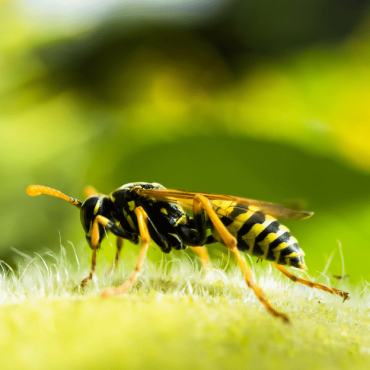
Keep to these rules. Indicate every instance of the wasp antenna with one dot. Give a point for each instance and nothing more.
(35, 190)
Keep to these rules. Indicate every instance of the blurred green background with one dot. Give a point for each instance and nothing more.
(262, 99)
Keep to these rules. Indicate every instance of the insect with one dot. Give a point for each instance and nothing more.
(153, 212)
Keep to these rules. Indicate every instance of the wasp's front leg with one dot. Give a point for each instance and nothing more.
(94, 247)
(142, 219)
(95, 238)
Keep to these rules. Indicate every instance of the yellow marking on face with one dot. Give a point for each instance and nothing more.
(131, 205)
(164, 210)
(97, 205)
(124, 212)
(181, 221)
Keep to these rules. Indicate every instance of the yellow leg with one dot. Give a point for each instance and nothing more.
(90, 191)
(145, 241)
(203, 255)
(94, 246)
(200, 202)
(93, 264)
(119, 244)
(311, 284)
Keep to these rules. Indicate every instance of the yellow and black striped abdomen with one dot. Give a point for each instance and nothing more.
(260, 234)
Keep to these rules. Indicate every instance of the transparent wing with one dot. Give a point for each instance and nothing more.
(185, 200)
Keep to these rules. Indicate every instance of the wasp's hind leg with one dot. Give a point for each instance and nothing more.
(201, 205)
(311, 284)
(142, 219)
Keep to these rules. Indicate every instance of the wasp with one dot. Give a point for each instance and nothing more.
(177, 219)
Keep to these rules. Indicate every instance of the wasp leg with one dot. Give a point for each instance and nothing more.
(90, 191)
(311, 284)
(201, 204)
(163, 242)
(93, 264)
(95, 240)
(119, 244)
(142, 219)
(94, 247)
(203, 255)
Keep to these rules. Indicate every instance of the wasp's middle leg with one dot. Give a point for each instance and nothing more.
(142, 219)
(201, 205)
(203, 255)
(119, 244)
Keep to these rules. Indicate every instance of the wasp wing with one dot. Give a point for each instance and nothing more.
(185, 200)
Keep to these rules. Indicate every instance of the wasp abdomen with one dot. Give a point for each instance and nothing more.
(261, 235)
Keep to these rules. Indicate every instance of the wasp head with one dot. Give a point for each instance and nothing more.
(98, 205)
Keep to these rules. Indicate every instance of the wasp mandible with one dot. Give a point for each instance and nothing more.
(151, 211)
